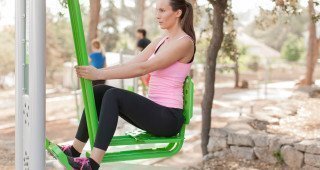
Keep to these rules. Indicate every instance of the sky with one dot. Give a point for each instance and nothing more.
(7, 11)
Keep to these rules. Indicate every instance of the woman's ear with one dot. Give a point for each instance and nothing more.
(179, 13)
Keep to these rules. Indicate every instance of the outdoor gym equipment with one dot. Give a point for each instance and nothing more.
(36, 89)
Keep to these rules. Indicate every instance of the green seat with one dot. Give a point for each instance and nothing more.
(140, 137)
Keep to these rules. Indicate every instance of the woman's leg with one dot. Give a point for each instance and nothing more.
(82, 132)
(138, 110)
(98, 82)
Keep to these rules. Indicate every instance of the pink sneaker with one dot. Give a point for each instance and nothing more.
(79, 163)
(66, 149)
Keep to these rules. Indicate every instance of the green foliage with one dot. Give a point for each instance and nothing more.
(201, 53)
(252, 62)
(59, 46)
(275, 29)
(278, 156)
(292, 49)
(287, 6)
(203, 27)
(247, 61)
(229, 50)
(229, 47)
(228, 54)
(63, 3)
(290, 7)
(286, 17)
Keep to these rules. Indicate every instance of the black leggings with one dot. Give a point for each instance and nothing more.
(97, 82)
(140, 111)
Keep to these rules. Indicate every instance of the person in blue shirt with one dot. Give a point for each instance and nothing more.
(97, 59)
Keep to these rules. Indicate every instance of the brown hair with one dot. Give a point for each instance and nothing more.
(186, 16)
(143, 32)
(96, 44)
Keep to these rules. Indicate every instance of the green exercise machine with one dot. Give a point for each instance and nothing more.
(171, 145)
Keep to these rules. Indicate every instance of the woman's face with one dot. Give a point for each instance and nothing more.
(166, 17)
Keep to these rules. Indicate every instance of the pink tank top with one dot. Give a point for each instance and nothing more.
(166, 85)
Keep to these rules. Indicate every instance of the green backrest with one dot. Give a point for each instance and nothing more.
(188, 99)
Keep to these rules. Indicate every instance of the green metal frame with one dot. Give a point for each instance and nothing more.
(173, 144)
(56, 152)
(82, 58)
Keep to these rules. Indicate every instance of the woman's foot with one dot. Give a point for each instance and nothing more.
(79, 163)
(83, 163)
(69, 150)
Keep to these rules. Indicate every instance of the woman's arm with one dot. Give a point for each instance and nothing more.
(163, 59)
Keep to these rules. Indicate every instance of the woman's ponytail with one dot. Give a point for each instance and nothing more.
(187, 21)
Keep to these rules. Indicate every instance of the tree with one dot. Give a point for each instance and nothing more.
(313, 47)
(229, 49)
(135, 14)
(291, 7)
(141, 5)
(273, 28)
(292, 48)
(108, 27)
(59, 45)
(93, 22)
(217, 21)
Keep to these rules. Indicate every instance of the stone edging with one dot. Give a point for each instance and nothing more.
(295, 153)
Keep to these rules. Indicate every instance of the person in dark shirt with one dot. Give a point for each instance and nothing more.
(142, 43)
(97, 59)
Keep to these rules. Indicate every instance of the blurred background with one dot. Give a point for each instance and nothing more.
(266, 70)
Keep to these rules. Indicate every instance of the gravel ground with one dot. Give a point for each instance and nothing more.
(231, 163)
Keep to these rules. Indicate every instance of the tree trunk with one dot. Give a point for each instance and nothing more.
(236, 74)
(93, 23)
(215, 45)
(193, 2)
(141, 8)
(313, 49)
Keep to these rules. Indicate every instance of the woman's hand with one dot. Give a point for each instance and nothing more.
(88, 72)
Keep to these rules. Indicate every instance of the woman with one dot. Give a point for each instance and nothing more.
(168, 60)
(97, 59)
